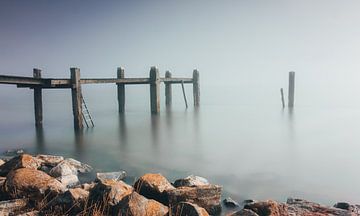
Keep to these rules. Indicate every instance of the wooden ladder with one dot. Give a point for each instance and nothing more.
(86, 114)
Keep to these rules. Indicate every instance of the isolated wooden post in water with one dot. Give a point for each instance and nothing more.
(121, 90)
(76, 98)
(38, 100)
(196, 88)
(154, 90)
(168, 93)
(291, 89)
(282, 97)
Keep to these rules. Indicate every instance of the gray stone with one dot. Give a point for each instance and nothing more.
(304, 207)
(63, 169)
(228, 202)
(69, 180)
(117, 176)
(80, 167)
(186, 208)
(1, 162)
(243, 212)
(49, 160)
(191, 181)
(10, 206)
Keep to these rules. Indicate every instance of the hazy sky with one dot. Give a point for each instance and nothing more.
(244, 45)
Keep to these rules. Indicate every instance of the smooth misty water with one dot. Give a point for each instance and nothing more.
(255, 152)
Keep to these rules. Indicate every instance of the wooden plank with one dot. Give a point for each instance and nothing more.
(168, 90)
(282, 98)
(4, 79)
(121, 90)
(176, 80)
(154, 90)
(38, 107)
(115, 80)
(291, 95)
(196, 87)
(76, 98)
(183, 90)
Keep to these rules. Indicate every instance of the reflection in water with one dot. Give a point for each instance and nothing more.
(79, 142)
(155, 123)
(291, 123)
(40, 141)
(123, 133)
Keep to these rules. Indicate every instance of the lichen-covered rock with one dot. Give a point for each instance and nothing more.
(154, 186)
(206, 196)
(137, 205)
(109, 192)
(191, 181)
(186, 208)
(35, 184)
(268, 208)
(21, 161)
(49, 160)
(11, 206)
(63, 169)
(117, 176)
(230, 203)
(243, 212)
(304, 208)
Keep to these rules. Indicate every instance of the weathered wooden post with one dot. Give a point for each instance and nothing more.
(76, 98)
(121, 90)
(154, 90)
(196, 88)
(38, 100)
(168, 90)
(291, 89)
(282, 97)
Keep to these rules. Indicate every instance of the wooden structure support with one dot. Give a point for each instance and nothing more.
(291, 96)
(38, 107)
(76, 98)
(154, 90)
(168, 90)
(282, 98)
(196, 88)
(121, 90)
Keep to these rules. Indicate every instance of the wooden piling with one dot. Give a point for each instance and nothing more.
(76, 98)
(291, 95)
(168, 90)
(121, 90)
(38, 107)
(154, 90)
(183, 90)
(196, 88)
(282, 98)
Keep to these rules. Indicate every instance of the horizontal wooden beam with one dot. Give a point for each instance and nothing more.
(21, 80)
(116, 80)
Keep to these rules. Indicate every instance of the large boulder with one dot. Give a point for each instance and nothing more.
(137, 205)
(268, 208)
(35, 184)
(109, 192)
(304, 208)
(205, 196)
(21, 161)
(186, 208)
(191, 181)
(72, 201)
(154, 186)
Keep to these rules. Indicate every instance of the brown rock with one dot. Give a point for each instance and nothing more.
(137, 205)
(30, 213)
(49, 160)
(11, 206)
(88, 186)
(73, 201)
(21, 161)
(206, 196)
(191, 181)
(109, 192)
(243, 212)
(154, 186)
(268, 208)
(35, 184)
(186, 208)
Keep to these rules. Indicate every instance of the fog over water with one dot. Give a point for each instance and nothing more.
(240, 137)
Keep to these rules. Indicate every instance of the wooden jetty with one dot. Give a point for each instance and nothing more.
(37, 83)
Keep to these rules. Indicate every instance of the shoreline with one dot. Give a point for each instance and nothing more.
(49, 185)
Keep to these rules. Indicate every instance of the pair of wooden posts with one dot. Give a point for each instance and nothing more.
(154, 80)
(291, 95)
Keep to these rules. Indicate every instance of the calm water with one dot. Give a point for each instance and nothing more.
(255, 152)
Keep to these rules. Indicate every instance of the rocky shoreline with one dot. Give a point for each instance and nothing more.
(49, 185)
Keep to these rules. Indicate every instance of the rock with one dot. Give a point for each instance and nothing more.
(63, 169)
(206, 196)
(35, 184)
(117, 176)
(137, 205)
(303, 207)
(243, 212)
(186, 208)
(73, 199)
(14, 152)
(228, 202)
(191, 181)
(49, 160)
(69, 180)
(80, 167)
(109, 191)
(88, 186)
(268, 208)
(248, 201)
(347, 206)
(11, 206)
(1, 162)
(30, 213)
(21, 161)
(154, 186)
